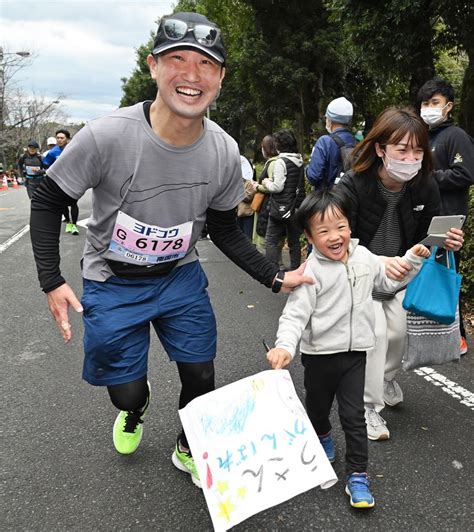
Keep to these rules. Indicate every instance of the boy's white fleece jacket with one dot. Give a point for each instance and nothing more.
(336, 313)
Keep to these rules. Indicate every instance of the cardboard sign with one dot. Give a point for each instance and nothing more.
(254, 447)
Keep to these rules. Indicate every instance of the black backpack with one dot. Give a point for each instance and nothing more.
(345, 151)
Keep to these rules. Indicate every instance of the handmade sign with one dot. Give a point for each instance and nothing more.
(254, 447)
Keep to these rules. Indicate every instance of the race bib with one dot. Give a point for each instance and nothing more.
(149, 244)
(32, 171)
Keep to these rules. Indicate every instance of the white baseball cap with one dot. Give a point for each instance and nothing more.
(340, 110)
(51, 140)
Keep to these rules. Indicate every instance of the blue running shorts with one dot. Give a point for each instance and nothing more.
(117, 316)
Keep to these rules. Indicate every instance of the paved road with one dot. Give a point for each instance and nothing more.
(59, 470)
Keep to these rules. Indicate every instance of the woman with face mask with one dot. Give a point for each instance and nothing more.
(394, 197)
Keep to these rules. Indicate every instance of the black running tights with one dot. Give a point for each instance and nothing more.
(74, 213)
(196, 379)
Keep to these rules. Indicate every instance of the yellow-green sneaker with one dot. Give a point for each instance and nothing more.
(68, 228)
(128, 429)
(185, 462)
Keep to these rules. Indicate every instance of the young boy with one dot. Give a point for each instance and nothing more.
(334, 320)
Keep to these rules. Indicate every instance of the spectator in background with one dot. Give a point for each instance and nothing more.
(325, 165)
(244, 210)
(270, 155)
(394, 196)
(62, 138)
(50, 143)
(30, 167)
(453, 152)
(287, 193)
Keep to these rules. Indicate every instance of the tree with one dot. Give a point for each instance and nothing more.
(30, 117)
(401, 43)
(458, 16)
(287, 59)
(22, 117)
(139, 86)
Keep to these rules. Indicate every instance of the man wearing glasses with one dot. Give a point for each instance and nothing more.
(159, 170)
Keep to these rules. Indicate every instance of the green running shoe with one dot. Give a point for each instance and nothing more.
(74, 229)
(185, 462)
(128, 430)
(69, 228)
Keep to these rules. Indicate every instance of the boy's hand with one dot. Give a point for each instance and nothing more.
(420, 251)
(396, 267)
(278, 358)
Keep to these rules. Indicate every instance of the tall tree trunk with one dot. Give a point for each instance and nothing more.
(422, 65)
(466, 107)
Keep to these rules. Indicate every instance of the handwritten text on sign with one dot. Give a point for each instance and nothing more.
(254, 447)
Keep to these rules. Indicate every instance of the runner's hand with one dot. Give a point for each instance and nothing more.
(59, 301)
(278, 358)
(295, 278)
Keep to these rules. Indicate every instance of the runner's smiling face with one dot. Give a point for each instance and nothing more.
(188, 81)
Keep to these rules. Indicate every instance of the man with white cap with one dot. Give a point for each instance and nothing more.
(50, 143)
(326, 163)
(158, 171)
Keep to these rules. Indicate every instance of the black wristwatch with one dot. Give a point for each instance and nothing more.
(278, 282)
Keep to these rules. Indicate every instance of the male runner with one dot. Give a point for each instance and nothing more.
(159, 170)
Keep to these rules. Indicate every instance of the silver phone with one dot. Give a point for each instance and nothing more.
(439, 226)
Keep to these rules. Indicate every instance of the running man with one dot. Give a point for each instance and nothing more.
(159, 170)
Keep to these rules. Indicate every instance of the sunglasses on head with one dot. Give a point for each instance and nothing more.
(176, 30)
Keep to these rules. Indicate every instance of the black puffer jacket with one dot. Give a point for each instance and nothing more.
(453, 152)
(416, 208)
(293, 192)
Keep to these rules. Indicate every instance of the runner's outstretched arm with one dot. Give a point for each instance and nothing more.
(226, 235)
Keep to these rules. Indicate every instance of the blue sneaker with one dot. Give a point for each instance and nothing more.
(328, 446)
(358, 488)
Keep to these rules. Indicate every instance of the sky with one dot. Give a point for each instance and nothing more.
(80, 48)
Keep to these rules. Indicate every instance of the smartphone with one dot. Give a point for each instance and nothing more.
(439, 226)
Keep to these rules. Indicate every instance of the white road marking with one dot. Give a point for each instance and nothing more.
(21, 232)
(453, 389)
(14, 238)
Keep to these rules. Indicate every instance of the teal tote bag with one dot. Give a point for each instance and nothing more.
(434, 292)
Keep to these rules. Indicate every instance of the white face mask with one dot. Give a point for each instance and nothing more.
(401, 171)
(328, 126)
(432, 116)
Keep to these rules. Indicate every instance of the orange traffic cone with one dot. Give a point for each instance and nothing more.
(4, 183)
(15, 182)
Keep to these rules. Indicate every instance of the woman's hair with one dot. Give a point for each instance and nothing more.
(319, 202)
(389, 128)
(285, 141)
(268, 145)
